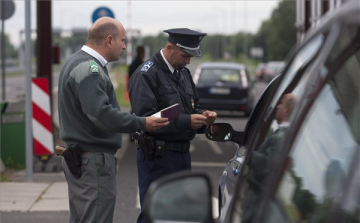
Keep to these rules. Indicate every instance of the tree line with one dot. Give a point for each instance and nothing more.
(276, 36)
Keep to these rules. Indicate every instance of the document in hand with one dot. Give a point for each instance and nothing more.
(170, 112)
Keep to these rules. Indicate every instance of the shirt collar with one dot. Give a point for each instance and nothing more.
(95, 54)
(284, 125)
(171, 68)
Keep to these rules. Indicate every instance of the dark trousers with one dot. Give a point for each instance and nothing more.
(151, 170)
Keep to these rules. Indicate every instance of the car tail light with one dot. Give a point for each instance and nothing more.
(244, 80)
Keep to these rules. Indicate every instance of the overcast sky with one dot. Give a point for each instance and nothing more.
(152, 17)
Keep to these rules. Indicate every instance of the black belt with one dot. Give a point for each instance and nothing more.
(173, 146)
(151, 146)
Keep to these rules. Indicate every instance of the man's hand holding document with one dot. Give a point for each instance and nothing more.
(170, 112)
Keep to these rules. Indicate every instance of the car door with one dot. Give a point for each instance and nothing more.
(234, 166)
(261, 122)
(291, 202)
(319, 182)
(300, 64)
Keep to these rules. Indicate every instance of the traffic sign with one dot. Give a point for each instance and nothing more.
(7, 9)
(101, 12)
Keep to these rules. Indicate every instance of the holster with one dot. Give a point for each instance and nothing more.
(145, 143)
(72, 156)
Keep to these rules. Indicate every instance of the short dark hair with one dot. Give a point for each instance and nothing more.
(140, 50)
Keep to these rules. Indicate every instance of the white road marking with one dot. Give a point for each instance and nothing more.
(137, 203)
(215, 147)
(215, 207)
(208, 164)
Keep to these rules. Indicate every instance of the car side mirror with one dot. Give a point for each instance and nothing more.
(180, 197)
(223, 132)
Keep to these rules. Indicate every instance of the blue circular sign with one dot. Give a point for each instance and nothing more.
(101, 12)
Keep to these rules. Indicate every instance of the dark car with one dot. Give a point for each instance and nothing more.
(223, 86)
(312, 172)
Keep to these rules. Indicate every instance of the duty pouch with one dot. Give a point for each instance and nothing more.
(160, 147)
(145, 143)
(72, 156)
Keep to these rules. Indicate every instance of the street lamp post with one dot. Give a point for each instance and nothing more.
(28, 107)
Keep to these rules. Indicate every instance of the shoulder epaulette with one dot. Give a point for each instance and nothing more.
(94, 67)
(147, 66)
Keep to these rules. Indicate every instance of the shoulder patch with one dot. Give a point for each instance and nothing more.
(94, 68)
(147, 66)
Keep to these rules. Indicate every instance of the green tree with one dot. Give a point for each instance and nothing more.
(277, 35)
(155, 43)
(260, 38)
(10, 50)
(283, 35)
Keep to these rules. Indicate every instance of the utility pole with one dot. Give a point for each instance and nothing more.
(129, 36)
(28, 107)
(44, 43)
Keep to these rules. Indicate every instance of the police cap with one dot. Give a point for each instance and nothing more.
(186, 39)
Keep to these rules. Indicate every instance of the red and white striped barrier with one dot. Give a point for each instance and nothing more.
(41, 121)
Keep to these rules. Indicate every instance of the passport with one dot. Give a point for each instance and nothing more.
(170, 112)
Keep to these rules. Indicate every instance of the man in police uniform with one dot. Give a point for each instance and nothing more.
(161, 82)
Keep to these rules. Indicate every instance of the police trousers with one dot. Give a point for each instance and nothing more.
(92, 197)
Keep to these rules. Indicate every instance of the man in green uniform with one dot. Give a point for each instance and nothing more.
(91, 123)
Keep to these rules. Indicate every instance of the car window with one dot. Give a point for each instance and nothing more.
(300, 62)
(302, 58)
(256, 168)
(297, 74)
(218, 74)
(326, 148)
(323, 152)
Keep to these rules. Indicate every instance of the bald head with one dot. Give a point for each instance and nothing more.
(285, 107)
(102, 28)
(289, 101)
(107, 37)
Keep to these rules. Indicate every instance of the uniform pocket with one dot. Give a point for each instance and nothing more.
(163, 90)
(189, 91)
(99, 160)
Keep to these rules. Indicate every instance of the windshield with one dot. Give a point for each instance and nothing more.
(219, 74)
(301, 60)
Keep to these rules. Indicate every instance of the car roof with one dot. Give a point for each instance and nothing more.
(222, 65)
(275, 62)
